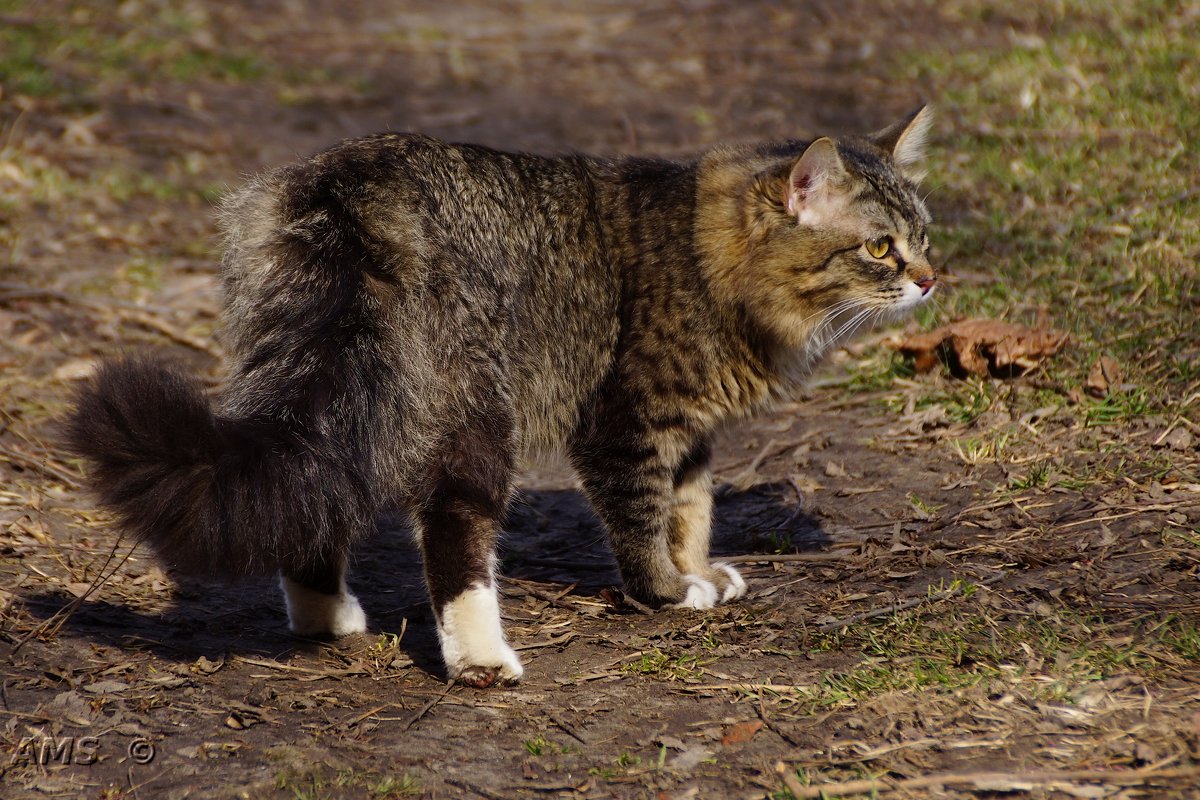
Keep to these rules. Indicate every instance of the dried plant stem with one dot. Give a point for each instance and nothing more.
(912, 602)
(784, 557)
(1004, 781)
(43, 466)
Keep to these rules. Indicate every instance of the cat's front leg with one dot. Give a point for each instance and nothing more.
(657, 509)
(691, 526)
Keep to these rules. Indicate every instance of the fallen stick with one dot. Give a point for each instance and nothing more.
(566, 728)
(527, 587)
(351, 722)
(479, 790)
(744, 479)
(618, 600)
(171, 332)
(426, 708)
(52, 625)
(783, 557)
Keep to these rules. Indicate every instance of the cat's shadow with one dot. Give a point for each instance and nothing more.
(555, 537)
(552, 536)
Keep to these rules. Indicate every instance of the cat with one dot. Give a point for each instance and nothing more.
(407, 319)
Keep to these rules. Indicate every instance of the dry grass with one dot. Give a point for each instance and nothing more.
(946, 577)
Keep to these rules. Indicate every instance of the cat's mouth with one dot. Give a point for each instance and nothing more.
(914, 293)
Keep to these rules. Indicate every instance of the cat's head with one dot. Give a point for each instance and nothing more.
(835, 235)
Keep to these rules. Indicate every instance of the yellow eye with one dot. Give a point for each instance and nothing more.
(879, 248)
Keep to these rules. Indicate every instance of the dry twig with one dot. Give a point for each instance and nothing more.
(765, 558)
(995, 781)
(425, 709)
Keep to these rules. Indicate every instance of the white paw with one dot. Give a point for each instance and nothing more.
(500, 665)
(472, 639)
(736, 587)
(701, 593)
(312, 613)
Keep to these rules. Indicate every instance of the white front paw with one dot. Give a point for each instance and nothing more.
(701, 593)
(737, 585)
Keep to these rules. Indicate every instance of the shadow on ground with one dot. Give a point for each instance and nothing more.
(553, 537)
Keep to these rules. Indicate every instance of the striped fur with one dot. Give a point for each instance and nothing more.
(407, 318)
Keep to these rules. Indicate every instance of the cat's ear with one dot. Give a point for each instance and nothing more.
(814, 180)
(906, 141)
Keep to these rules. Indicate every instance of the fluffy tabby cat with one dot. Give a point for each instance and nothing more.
(407, 318)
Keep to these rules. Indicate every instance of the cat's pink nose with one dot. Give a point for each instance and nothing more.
(926, 284)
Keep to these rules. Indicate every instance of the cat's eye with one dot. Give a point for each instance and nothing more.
(879, 248)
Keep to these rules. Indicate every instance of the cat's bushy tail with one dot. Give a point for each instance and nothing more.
(283, 474)
(214, 495)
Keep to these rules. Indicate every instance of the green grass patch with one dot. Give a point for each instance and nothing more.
(879, 372)
(657, 664)
(1182, 635)
(946, 647)
(989, 446)
(63, 49)
(541, 746)
(964, 401)
(1066, 188)
(321, 782)
(45, 182)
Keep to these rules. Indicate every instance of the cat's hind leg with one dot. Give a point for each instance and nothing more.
(691, 528)
(318, 601)
(458, 525)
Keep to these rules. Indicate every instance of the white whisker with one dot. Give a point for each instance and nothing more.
(849, 326)
(835, 309)
(818, 333)
(828, 334)
(866, 320)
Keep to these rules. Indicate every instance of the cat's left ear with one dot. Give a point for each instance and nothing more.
(813, 187)
(906, 141)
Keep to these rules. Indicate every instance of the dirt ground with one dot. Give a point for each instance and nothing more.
(924, 606)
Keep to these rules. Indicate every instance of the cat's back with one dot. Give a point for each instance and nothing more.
(410, 194)
(455, 247)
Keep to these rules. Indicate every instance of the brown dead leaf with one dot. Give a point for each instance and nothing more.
(207, 667)
(239, 720)
(106, 687)
(1177, 439)
(75, 369)
(72, 707)
(1144, 753)
(804, 484)
(834, 470)
(1105, 374)
(741, 732)
(983, 347)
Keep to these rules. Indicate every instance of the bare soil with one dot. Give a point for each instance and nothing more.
(916, 607)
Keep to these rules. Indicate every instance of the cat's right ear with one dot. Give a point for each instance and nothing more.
(814, 181)
(906, 141)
